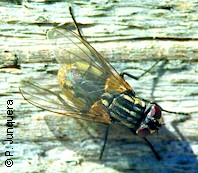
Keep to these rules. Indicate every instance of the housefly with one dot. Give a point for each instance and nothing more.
(92, 89)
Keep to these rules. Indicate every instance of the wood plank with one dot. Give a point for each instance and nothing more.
(132, 35)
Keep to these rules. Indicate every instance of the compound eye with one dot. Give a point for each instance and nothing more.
(143, 132)
(156, 112)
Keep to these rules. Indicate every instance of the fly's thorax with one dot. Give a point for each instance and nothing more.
(142, 116)
(125, 108)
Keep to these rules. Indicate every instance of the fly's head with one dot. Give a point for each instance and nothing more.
(152, 121)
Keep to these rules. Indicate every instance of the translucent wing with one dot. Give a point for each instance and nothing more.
(83, 77)
(54, 101)
(78, 58)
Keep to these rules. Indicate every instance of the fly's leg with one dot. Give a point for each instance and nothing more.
(121, 74)
(145, 139)
(149, 144)
(138, 77)
(152, 148)
(79, 33)
(105, 141)
(75, 23)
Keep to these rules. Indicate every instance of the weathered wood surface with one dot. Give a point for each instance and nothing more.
(132, 35)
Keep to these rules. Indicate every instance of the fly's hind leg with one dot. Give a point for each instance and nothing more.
(75, 23)
(105, 141)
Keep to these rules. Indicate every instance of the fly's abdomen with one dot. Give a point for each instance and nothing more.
(125, 108)
(78, 84)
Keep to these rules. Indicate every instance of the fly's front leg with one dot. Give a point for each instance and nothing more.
(149, 144)
(152, 148)
(138, 77)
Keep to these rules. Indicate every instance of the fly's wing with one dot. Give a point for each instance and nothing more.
(83, 77)
(53, 101)
(83, 66)
(43, 97)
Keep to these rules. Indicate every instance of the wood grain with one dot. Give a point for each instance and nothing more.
(132, 35)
